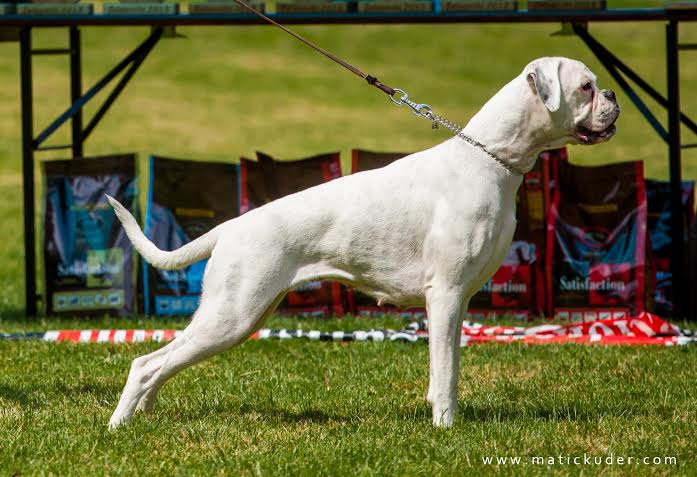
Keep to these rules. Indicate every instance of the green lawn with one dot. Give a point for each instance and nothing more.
(289, 408)
(319, 408)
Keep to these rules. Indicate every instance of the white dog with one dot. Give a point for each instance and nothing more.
(429, 229)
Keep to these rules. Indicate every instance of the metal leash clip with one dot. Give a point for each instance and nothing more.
(419, 109)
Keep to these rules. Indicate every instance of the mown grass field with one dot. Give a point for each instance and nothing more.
(299, 408)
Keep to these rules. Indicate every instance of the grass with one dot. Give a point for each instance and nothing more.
(300, 408)
(270, 408)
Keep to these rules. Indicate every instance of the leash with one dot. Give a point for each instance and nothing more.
(419, 109)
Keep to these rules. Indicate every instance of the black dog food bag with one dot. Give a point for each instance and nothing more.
(88, 260)
(266, 180)
(597, 239)
(659, 218)
(185, 200)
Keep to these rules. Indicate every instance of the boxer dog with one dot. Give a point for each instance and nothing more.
(429, 229)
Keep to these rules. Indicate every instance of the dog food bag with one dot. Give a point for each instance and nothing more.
(366, 160)
(517, 287)
(88, 260)
(268, 179)
(659, 218)
(597, 238)
(185, 200)
(360, 303)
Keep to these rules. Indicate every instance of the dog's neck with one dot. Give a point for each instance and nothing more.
(520, 133)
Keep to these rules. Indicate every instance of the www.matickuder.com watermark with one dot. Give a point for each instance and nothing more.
(579, 460)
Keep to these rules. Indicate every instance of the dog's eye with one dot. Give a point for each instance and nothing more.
(587, 86)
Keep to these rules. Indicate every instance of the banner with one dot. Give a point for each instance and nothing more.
(185, 200)
(88, 260)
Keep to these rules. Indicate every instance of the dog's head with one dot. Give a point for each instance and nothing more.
(570, 107)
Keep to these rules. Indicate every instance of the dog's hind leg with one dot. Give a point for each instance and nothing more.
(147, 402)
(217, 325)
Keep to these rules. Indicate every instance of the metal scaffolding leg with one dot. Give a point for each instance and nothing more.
(677, 229)
(679, 265)
(76, 90)
(28, 172)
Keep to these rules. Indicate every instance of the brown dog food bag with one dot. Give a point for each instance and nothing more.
(89, 265)
(266, 180)
(597, 238)
(366, 160)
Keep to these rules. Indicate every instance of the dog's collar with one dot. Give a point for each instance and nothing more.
(459, 132)
(481, 146)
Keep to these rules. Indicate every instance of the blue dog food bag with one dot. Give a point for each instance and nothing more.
(88, 260)
(186, 199)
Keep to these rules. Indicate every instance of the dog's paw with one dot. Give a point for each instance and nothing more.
(117, 421)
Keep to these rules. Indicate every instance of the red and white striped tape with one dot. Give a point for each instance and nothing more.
(644, 329)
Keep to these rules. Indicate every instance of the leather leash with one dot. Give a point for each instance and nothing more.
(419, 109)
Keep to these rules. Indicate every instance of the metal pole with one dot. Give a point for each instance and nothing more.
(76, 89)
(678, 256)
(28, 172)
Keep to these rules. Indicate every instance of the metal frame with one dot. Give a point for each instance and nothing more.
(617, 69)
(78, 135)
(671, 135)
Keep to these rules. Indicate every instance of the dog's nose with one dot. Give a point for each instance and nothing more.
(609, 94)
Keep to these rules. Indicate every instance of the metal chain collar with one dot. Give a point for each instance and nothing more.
(425, 111)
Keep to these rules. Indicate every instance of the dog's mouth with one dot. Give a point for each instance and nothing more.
(586, 136)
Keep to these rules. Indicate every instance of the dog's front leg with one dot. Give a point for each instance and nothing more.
(445, 309)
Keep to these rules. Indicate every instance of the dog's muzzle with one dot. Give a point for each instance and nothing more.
(588, 136)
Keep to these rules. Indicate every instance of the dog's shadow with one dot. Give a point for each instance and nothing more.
(49, 394)
(269, 412)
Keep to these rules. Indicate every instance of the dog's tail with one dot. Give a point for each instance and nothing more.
(190, 253)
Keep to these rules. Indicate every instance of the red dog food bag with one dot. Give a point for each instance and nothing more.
(266, 180)
(517, 287)
(597, 238)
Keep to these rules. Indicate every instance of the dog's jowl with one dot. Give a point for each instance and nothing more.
(427, 230)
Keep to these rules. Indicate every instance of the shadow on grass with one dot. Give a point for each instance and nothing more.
(473, 413)
(270, 413)
(50, 392)
(16, 316)
(16, 395)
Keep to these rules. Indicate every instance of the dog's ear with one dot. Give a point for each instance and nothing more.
(543, 77)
